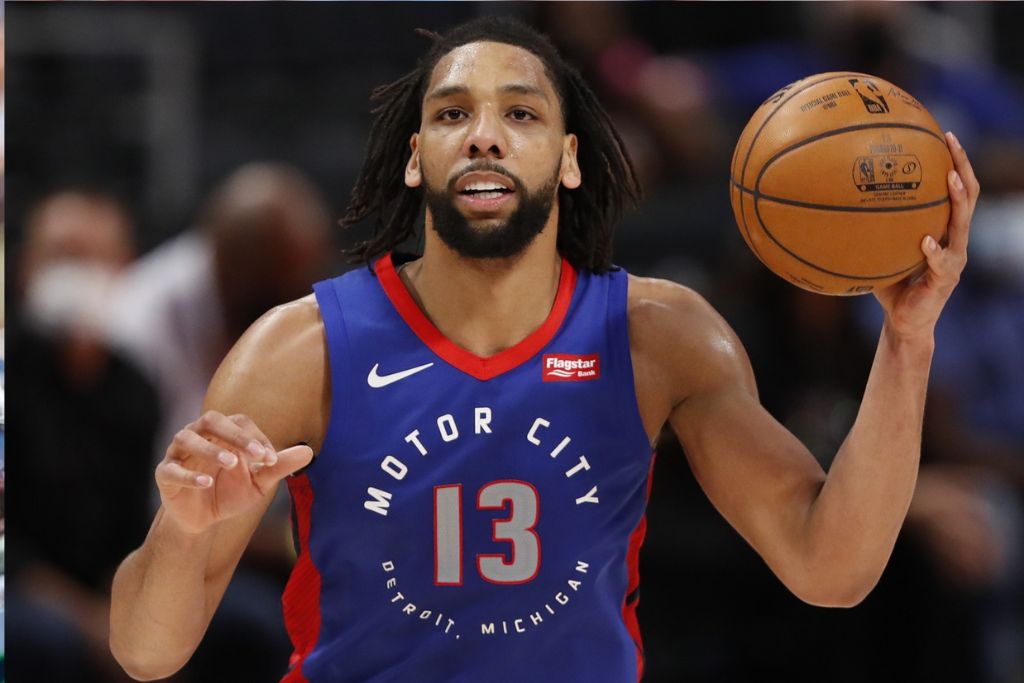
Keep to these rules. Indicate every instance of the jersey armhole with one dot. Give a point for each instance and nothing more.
(618, 316)
(338, 355)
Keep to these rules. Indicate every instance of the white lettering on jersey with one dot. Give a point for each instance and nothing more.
(482, 420)
(535, 618)
(560, 446)
(395, 467)
(413, 438)
(537, 424)
(589, 497)
(380, 503)
(519, 562)
(554, 362)
(583, 465)
(410, 608)
(451, 432)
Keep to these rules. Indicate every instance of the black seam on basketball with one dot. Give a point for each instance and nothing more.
(750, 147)
(830, 207)
(757, 211)
(840, 131)
(759, 196)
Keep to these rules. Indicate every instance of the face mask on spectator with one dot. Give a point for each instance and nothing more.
(69, 296)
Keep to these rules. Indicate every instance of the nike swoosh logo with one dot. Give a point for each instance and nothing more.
(377, 381)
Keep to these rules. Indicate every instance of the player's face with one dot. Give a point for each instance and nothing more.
(492, 150)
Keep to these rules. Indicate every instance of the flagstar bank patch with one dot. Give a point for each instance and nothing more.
(565, 367)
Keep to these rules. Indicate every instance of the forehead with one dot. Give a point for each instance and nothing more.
(72, 225)
(488, 64)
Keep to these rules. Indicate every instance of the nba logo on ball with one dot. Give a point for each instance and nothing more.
(835, 181)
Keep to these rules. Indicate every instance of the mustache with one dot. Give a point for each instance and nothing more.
(484, 166)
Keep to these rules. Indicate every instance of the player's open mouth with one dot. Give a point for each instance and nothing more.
(484, 191)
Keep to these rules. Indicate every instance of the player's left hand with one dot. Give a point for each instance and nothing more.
(912, 307)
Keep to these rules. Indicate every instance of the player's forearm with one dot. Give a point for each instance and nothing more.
(159, 602)
(860, 509)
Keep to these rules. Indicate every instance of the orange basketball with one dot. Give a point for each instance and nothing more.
(836, 180)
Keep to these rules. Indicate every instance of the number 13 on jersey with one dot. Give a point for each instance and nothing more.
(519, 564)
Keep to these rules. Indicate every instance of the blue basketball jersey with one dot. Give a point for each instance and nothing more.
(471, 519)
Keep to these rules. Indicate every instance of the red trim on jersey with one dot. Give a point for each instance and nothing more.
(470, 363)
(301, 600)
(636, 539)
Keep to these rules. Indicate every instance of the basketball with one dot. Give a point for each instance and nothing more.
(835, 181)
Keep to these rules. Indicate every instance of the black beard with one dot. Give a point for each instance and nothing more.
(505, 240)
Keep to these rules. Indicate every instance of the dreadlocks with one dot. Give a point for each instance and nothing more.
(587, 215)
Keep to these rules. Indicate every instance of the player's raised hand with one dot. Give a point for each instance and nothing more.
(219, 467)
(913, 307)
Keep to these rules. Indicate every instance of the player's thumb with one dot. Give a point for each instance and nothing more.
(289, 461)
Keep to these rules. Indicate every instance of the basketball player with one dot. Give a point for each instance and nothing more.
(469, 433)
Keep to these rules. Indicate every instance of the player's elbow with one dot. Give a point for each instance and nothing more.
(833, 597)
(835, 591)
(140, 668)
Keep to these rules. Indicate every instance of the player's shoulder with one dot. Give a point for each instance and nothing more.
(285, 342)
(286, 329)
(277, 373)
(666, 307)
(674, 329)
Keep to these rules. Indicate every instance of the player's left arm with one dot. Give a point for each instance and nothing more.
(828, 538)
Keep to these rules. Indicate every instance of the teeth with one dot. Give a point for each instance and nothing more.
(483, 187)
(489, 195)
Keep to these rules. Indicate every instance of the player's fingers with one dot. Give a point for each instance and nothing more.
(187, 444)
(237, 438)
(944, 265)
(960, 214)
(964, 168)
(246, 423)
(289, 461)
(170, 474)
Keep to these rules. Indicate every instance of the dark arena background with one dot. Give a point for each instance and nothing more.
(147, 107)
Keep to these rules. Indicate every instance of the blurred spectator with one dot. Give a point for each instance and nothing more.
(974, 426)
(968, 509)
(262, 239)
(82, 424)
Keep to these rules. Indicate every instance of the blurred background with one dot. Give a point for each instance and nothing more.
(176, 169)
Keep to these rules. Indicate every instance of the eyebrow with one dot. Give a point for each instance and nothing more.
(511, 88)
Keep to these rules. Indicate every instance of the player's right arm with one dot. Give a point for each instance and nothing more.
(216, 481)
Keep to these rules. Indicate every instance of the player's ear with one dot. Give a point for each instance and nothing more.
(413, 176)
(571, 177)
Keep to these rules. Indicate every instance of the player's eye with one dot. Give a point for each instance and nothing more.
(521, 115)
(451, 115)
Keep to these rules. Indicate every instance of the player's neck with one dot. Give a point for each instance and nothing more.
(485, 305)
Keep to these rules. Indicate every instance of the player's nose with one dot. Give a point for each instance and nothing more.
(485, 136)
